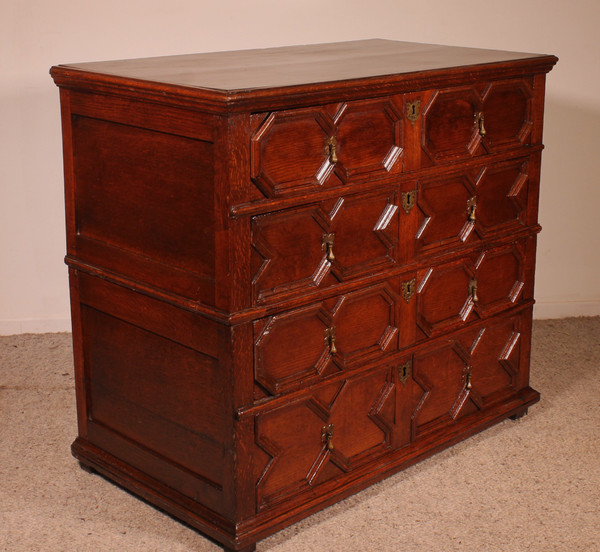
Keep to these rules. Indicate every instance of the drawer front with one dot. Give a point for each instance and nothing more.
(478, 285)
(472, 205)
(463, 122)
(299, 250)
(338, 427)
(469, 371)
(304, 345)
(301, 150)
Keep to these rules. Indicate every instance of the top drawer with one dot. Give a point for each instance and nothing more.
(303, 150)
(459, 123)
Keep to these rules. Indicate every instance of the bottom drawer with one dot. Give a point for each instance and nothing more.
(391, 413)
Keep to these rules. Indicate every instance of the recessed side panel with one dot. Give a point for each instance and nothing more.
(156, 402)
(144, 205)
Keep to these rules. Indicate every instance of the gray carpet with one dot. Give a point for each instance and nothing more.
(530, 485)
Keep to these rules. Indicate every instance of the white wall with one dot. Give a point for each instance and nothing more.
(35, 34)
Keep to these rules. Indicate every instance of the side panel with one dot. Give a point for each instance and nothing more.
(155, 392)
(143, 199)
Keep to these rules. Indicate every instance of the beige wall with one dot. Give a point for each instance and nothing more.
(35, 34)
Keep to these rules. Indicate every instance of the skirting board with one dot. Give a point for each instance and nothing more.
(34, 325)
(542, 310)
(565, 309)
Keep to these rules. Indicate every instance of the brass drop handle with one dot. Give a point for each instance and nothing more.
(468, 383)
(329, 339)
(327, 245)
(473, 290)
(327, 436)
(471, 208)
(331, 148)
(480, 121)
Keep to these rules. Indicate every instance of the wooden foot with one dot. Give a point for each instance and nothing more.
(87, 468)
(519, 415)
(251, 548)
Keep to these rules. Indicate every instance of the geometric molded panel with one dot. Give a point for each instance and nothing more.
(443, 299)
(366, 234)
(279, 360)
(502, 192)
(466, 372)
(500, 275)
(365, 323)
(292, 348)
(369, 138)
(449, 130)
(477, 285)
(301, 150)
(460, 123)
(507, 109)
(360, 417)
(439, 371)
(443, 211)
(289, 253)
(288, 152)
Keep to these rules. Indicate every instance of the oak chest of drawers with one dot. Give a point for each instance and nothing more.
(295, 271)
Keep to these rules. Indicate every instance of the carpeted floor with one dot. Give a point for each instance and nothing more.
(530, 485)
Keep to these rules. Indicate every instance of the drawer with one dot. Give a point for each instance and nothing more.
(304, 345)
(336, 428)
(476, 286)
(300, 150)
(473, 205)
(298, 250)
(462, 122)
(469, 371)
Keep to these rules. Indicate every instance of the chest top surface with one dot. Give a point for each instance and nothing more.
(343, 66)
(297, 65)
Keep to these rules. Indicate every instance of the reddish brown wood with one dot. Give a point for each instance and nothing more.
(296, 271)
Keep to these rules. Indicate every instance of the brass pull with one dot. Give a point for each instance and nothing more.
(329, 339)
(471, 208)
(331, 149)
(327, 245)
(468, 383)
(480, 121)
(327, 436)
(473, 290)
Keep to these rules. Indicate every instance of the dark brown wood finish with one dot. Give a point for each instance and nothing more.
(295, 271)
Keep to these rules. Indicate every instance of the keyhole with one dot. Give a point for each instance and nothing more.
(404, 372)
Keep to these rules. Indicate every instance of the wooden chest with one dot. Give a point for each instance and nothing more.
(295, 271)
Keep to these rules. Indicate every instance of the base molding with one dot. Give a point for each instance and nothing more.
(243, 535)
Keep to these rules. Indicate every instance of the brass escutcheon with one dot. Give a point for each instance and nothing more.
(413, 110)
(408, 289)
(408, 200)
(404, 372)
